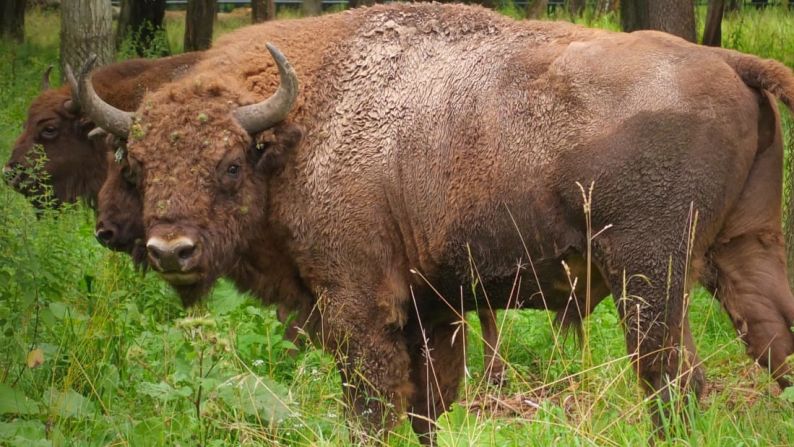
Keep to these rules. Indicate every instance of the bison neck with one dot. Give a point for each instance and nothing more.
(266, 272)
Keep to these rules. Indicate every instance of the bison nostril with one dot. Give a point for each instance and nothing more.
(105, 236)
(154, 251)
(186, 252)
(172, 256)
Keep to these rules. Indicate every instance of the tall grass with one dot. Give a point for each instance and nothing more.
(95, 353)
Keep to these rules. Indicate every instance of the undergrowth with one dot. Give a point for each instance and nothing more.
(93, 352)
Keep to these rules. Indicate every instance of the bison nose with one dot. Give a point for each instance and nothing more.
(104, 234)
(177, 255)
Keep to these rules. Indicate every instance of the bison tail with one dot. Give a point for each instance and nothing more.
(764, 74)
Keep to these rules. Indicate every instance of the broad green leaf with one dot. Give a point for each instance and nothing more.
(255, 396)
(68, 404)
(160, 391)
(13, 401)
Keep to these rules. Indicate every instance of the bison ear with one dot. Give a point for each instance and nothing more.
(273, 148)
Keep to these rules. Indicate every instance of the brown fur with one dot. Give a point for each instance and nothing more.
(119, 210)
(442, 145)
(77, 165)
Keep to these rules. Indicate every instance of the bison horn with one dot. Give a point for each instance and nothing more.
(97, 132)
(115, 121)
(45, 79)
(255, 118)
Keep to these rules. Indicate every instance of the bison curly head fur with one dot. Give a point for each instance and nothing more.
(206, 180)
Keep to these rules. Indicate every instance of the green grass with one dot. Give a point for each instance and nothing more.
(123, 364)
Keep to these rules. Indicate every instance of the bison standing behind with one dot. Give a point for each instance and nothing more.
(76, 162)
(444, 145)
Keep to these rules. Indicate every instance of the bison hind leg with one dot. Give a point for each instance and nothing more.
(751, 284)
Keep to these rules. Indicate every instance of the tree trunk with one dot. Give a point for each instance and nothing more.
(142, 20)
(199, 21)
(671, 16)
(734, 5)
(536, 8)
(633, 15)
(575, 7)
(12, 19)
(86, 28)
(712, 34)
(311, 7)
(263, 10)
(356, 3)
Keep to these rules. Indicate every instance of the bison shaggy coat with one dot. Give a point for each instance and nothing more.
(444, 146)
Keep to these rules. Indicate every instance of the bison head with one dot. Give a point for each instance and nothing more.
(57, 140)
(119, 222)
(202, 178)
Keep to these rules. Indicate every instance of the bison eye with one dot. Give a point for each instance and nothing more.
(49, 132)
(233, 170)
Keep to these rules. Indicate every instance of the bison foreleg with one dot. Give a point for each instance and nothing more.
(437, 353)
(651, 296)
(372, 357)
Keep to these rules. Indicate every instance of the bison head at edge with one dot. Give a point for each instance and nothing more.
(201, 176)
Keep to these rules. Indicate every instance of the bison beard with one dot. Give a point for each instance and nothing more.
(441, 141)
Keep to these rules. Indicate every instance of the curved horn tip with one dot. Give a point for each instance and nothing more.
(88, 65)
(276, 53)
(260, 116)
(45, 79)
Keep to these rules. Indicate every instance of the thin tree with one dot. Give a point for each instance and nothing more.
(142, 20)
(712, 34)
(199, 21)
(86, 28)
(12, 19)
(263, 10)
(311, 7)
(536, 8)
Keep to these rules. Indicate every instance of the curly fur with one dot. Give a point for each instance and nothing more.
(444, 145)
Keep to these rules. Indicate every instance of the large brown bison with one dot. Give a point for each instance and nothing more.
(446, 153)
(119, 207)
(75, 162)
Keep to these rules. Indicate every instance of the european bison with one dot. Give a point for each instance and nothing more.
(444, 146)
(76, 162)
(119, 207)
